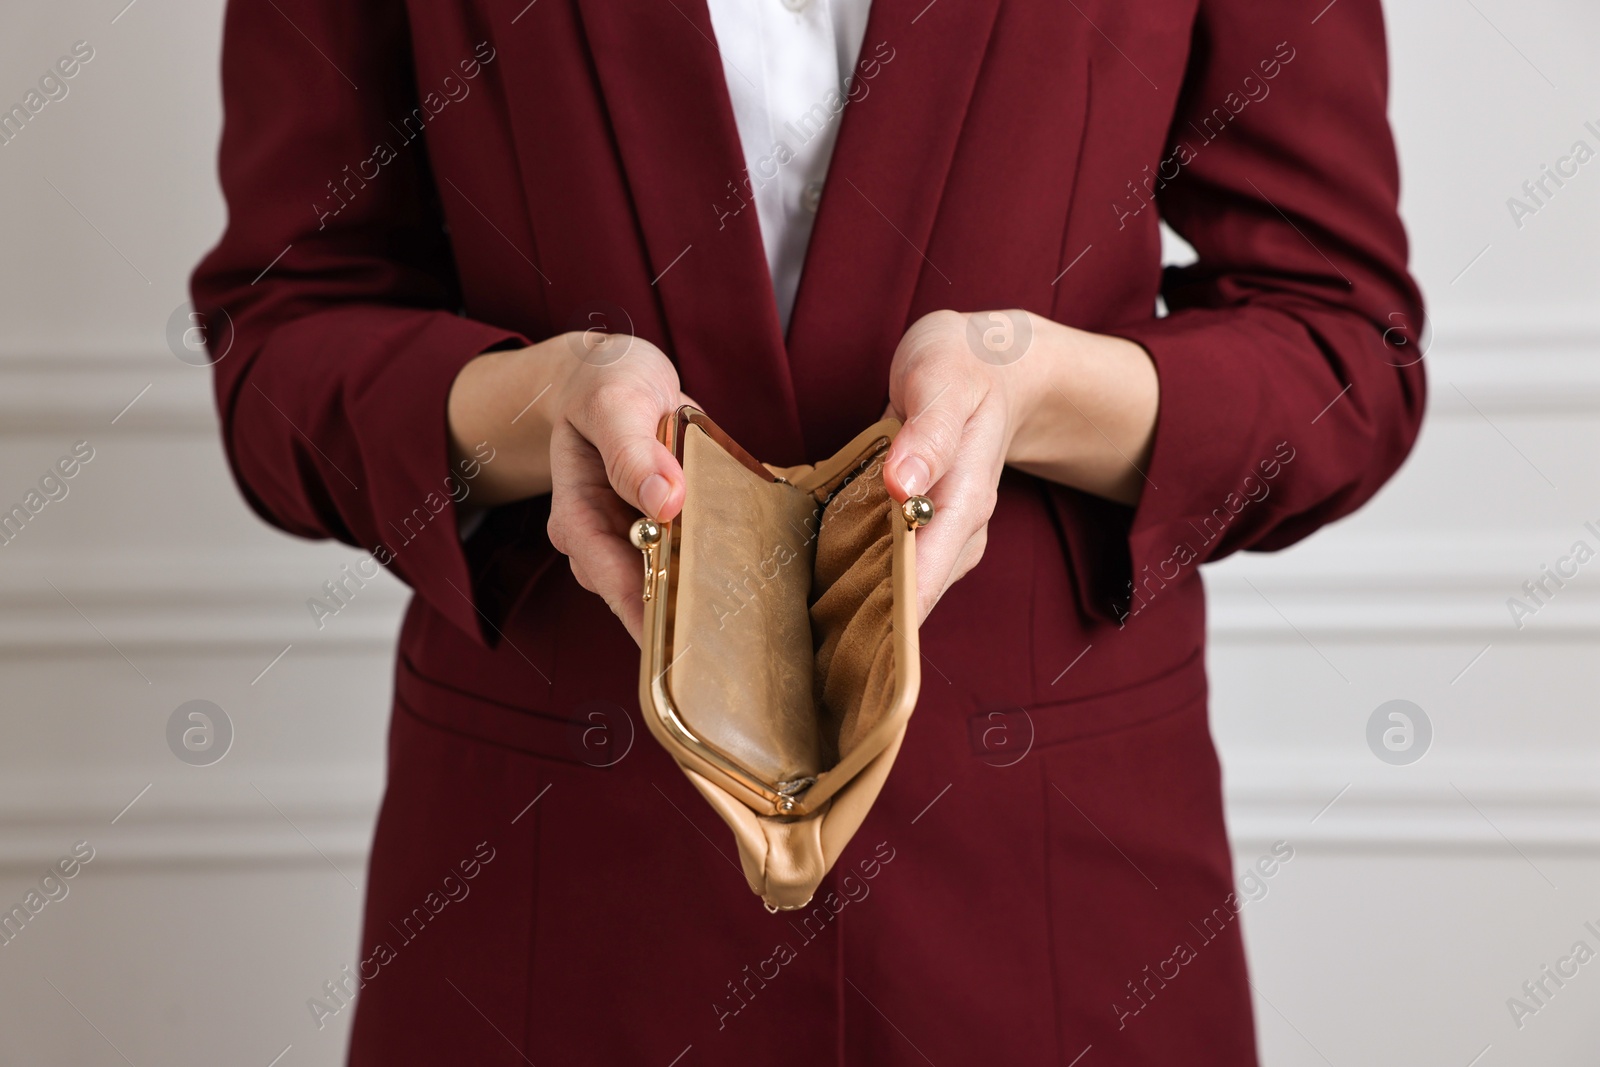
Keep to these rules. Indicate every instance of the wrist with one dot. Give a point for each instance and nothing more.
(1089, 411)
(471, 408)
(510, 398)
(1040, 388)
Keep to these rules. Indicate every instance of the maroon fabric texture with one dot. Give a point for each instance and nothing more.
(413, 184)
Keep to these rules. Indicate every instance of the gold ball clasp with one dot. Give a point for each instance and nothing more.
(918, 511)
(646, 533)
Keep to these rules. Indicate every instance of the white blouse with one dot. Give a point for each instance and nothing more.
(786, 62)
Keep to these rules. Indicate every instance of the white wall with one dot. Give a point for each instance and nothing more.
(1414, 907)
(1427, 894)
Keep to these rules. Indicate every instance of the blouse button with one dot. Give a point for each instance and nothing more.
(811, 197)
(796, 6)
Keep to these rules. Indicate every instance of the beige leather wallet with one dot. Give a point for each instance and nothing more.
(780, 662)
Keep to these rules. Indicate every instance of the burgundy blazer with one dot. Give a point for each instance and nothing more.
(1046, 875)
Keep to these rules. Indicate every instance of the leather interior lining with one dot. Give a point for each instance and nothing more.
(852, 603)
(741, 674)
(785, 606)
(779, 662)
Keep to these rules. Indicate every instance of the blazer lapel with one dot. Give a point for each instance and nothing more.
(667, 99)
(867, 252)
(704, 291)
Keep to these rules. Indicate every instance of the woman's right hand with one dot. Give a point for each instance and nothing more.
(576, 416)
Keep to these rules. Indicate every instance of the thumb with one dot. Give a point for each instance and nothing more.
(936, 404)
(623, 423)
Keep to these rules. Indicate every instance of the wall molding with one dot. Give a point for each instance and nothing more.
(1378, 588)
(81, 392)
(1355, 588)
(208, 818)
(1505, 361)
(1541, 803)
(213, 820)
(1360, 588)
(187, 603)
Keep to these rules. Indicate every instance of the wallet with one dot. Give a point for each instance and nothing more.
(779, 661)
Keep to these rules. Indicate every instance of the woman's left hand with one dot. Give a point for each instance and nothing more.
(978, 392)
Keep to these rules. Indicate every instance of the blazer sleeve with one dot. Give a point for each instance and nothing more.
(1289, 362)
(332, 305)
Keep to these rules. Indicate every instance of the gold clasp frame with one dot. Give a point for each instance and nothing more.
(645, 535)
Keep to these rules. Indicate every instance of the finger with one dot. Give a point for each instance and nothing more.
(963, 501)
(933, 390)
(620, 415)
(944, 546)
(969, 557)
(587, 523)
(610, 569)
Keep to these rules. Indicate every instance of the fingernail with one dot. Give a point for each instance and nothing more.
(653, 493)
(913, 474)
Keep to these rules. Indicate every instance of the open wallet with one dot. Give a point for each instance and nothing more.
(779, 661)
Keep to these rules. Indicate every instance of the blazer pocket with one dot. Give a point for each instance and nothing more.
(1008, 734)
(597, 734)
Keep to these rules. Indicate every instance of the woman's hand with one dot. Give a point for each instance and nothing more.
(576, 417)
(978, 392)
